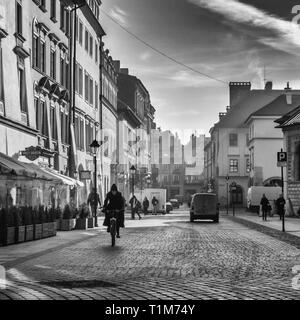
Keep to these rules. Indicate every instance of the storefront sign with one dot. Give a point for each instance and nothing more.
(33, 153)
(85, 175)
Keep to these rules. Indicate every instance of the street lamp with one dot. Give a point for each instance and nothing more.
(132, 171)
(95, 146)
(227, 179)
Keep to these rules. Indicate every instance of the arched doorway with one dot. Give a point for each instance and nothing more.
(297, 162)
(237, 196)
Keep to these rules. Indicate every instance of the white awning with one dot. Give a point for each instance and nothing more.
(65, 179)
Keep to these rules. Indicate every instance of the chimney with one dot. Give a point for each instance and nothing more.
(221, 115)
(288, 93)
(124, 71)
(237, 91)
(117, 65)
(269, 85)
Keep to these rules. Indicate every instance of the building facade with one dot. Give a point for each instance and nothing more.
(265, 140)
(88, 35)
(35, 51)
(227, 154)
(290, 126)
(109, 120)
(135, 121)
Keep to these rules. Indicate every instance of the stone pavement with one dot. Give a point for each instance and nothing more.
(158, 257)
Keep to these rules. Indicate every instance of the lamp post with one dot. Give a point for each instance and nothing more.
(132, 172)
(95, 146)
(233, 190)
(227, 179)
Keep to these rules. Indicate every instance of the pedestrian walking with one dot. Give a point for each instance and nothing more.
(264, 207)
(280, 203)
(155, 205)
(114, 201)
(133, 203)
(138, 207)
(93, 201)
(145, 205)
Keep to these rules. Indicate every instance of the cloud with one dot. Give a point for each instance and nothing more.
(145, 56)
(120, 15)
(189, 79)
(286, 34)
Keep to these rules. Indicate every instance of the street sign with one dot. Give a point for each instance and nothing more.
(233, 186)
(281, 159)
(85, 175)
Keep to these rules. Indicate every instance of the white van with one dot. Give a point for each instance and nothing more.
(255, 194)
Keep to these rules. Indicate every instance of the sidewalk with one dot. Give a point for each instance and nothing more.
(292, 225)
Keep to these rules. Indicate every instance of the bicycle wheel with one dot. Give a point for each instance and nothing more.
(113, 232)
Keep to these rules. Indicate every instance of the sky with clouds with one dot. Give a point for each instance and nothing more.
(230, 40)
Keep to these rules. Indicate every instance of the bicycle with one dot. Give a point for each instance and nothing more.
(113, 225)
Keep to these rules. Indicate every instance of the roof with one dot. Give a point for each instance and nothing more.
(252, 102)
(289, 119)
(277, 107)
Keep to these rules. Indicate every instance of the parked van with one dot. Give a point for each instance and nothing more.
(255, 194)
(204, 206)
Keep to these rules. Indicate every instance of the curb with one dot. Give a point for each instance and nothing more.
(283, 236)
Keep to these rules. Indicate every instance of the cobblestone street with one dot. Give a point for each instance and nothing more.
(163, 257)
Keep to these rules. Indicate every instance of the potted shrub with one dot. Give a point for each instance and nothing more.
(58, 217)
(52, 222)
(7, 227)
(82, 221)
(20, 225)
(91, 220)
(68, 222)
(28, 221)
(37, 223)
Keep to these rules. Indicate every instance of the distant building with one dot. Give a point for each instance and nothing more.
(135, 120)
(108, 120)
(227, 154)
(168, 162)
(194, 165)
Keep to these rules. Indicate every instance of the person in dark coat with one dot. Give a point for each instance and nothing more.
(114, 201)
(155, 205)
(280, 203)
(93, 201)
(146, 204)
(133, 203)
(264, 207)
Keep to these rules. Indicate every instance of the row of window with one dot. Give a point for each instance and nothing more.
(86, 87)
(234, 165)
(41, 114)
(88, 41)
(39, 61)
(84, 134)
(109, 91)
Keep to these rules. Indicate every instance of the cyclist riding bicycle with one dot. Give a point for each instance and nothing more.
(114, 201)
